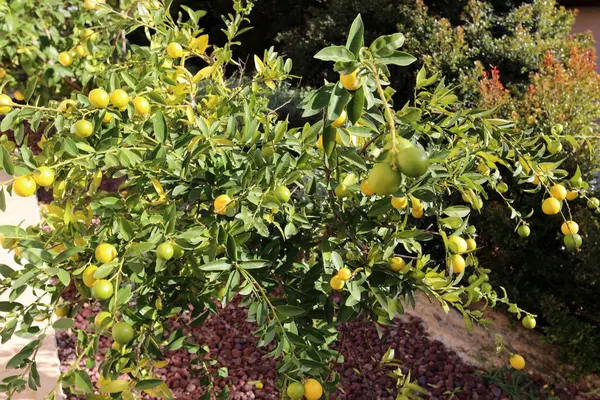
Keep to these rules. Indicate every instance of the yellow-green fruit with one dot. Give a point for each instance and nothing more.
(350, 81)
(554, 146)
(457, 245)
(83, 128)
(102, 289)
(99, 98)
(61, 311)
(572, 241)
(122, 333)
(593, 203)
(88, 276)
(174, 50)
(471, 244)
(6, 104)
(502, 187)
(528, 322)
(141, 105)
(101, 316)
(44, 176)
(551, 206)
(397, 264)
(283, 194)
(412, 161)
(119, 98)
(559, 192)
(341, 191)
(524, 231)
(383, 179)
(105, 253)
(24, 186)
(295, 391)
(65, 59)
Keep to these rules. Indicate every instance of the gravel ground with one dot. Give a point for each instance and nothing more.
(230, 340)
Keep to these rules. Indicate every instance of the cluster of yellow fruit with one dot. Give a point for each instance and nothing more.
(338, 281)
(517, 361)
(552, 206)
(26, 185)
(311, 389)
(457, 245)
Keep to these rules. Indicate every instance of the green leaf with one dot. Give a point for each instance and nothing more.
(384, 46)
(65, 255)
(457, 211)
(217, 265)
(138, 249)
(7, 164)
(232, 248)
(148, 384)
(83, 381)
(30, 87)
(2, 199)
(329, 143)
(105, 269)
(356, 36)
(335, 53)
(288, 311)
(63, 324)
(64, 277)
(22, 355)
(255, 264)
(340, 97)
(160, 126)
(354, 159)
(398, 58)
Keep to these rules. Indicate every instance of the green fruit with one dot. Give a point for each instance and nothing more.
(283, 194)
(572, 241)
(412, 161)
(472, 279)
(383, 179)
(576, 182)
(356, 105)
(554, 146)
(528, 322)
(295, 391)
(486, 288)
(502, 187)
(102, 289)
(341, 191)
(177, 250)
(593, 203)
(524, 231)
(165, 251)
(122, 333)
(101, 316)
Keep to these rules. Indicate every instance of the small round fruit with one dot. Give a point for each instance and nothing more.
(572, 195)
(502, 187)
(88, 276)
(101, 316)
(165, 251)
(312, 389)
(119, 98)
(365, 188)
(528, 322)
(524, 231)
(593, 203)
(141, 105)
(412, 161)
(90, 4)
(174, 50)
(99, 98)
(559, 192)
(102, 289)
(65, 59)
(572, 241)
(344, 274)
(44, 177)
(89, 34)
(80, 51)
(259, 385)
(61, 311)
(457, 263)
(6, 104)
(341, 191)
(551, 206)
(350, 81)
(576, 182)
(517, 362)
(177, 250)
(569, 227)
(399, 202)
(397, 264)
(24, 186)
(295, 391)
(221, 204)
(122, 333)
(283, 194)
(383, 179)
(457, 245)
(471, 244)
(105, 253)
(554, 146)
(336, 283)
(83, 128)
(340, 120)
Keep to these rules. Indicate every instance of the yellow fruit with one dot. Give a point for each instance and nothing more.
(88, 276)
(350, 81)
(537, 179)
(80, 51)
(417, 212)
(344, 274)
(259, 385)
(572, 195)
(141, 105)
(5, 104)
(399, 202)
(174, 50)
(340, 120)
(312, 389)
(569, 227)
(119, 98)
(67, 106)
(107, 118)
(105, 253)
(221, 204)
(320, 143)
(24, 186)
(457, 245)
(18, 95)
(2, 73)
(551, 206)
(65, 59)
(457, 263)
(89, 34)
(83, 128)
(397, 263)
(517, 362)
(484, 169)
(99, 98)
(559, 192)
(44, 177)
(336, 283)
(92, 4)
(365, 188)
(471, 244)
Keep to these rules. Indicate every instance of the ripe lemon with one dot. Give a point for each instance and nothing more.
(399, 202)
(83, 128)
(336, 283)
(457, 245)
(340, 120)
(344, 274)
(99, 98)
(221, 203)
(365, 188)
(572, 195)
(119, 98)
(397, 263)
(65, 59)
(80, 51)
(44, 177)
(312, 389)
(551, 206)
(559, 192)
(88, 34)
(105, 253)
(383, 179)
(457, 263)
(524, 231)
(174, 50)
(528, 322)
(5, 104)
(350, 81)
(471, 244)
(141, 105)
(517, 362)
(569, 227)
(107, 118)
(88, 276)
(24, 186)
(90, 4)
(412, 161)
(295, 391)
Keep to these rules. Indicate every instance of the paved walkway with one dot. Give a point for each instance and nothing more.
(25, 211)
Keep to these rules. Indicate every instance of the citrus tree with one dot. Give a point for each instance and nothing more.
(346, 217)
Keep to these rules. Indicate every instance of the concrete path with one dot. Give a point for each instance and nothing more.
(25, 211)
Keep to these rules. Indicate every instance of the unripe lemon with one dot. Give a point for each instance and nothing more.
(105, 253)
(5, 104)
(559, 192)
(344, 274)
(295, 391)
(412, 161)
(593, 203)
(102, 289)
(524, 231)
(61, 311)
(350, 81)
(122, 333)
(569, 227)
(67, 106)
(340, 120)
(165, 251)
(551, 206)
(397, 263)
(399, 202)
(89, 34)
(383, 179)
(221, 203)
(99, 98)
(83, 128)
(24, 186)
(502, 187)
(44, 177)
(457, 263)
(119, 98)
(101, 316)
(528, 322)
(456, 244)
(554, 146)
(572, 195)
(283, 194)
(141, 105)
(336, 283)
(312, 389)
(88, 276)
(572, 241)
(517, 362)
(341, 191)
(174, 50)
(365, 188)
(65, 59)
